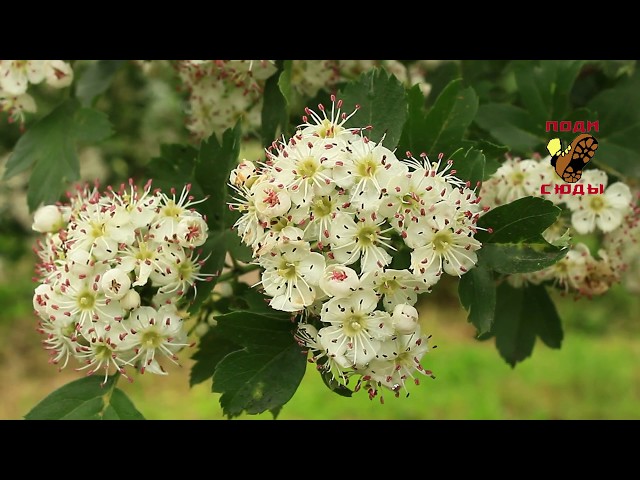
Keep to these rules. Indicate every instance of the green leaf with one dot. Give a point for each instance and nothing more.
(212, 348)
(214, 164)
(521, 220)
(284, 81)
(274, 109)
(444, 126)
(477, 291)
(86, 399)
(238, 250)
(516, 244)
(521, 315)
(96, 79)
(470, 165)
(50, 145)
(382, 105)
(258, 380)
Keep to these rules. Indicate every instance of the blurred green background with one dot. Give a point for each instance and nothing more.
(594, 376)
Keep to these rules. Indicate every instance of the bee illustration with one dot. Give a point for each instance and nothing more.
(570, 160)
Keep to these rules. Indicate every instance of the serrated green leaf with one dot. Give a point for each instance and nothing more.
(477, 291)
(382, 105)
(50, 145)
(521, 220)
(259, 380)
(469, 165)
(86, 399)
(521, 315)
(238, 250)
(332, 384)
(516, 244)
(96, 79)
(212, 348)
(442, 129)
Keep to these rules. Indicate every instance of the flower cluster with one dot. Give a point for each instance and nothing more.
(113, 270)
(15, 77)
(608, 212)
(326, 214)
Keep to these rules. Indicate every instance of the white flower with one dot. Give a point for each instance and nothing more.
(405, 319)
(244, 174)
(47, 219)
(192, 231)
(154, 332)
(518, 178)
(291, 276)
(445, 250)
(58, 73)
(339, 280)
(115, 283)
(15, 75)
(604, 211)
(397, 287)
(363, 240)
(270, 200)
(356, 328)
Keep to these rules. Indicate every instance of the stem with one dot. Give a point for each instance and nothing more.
(237, 271)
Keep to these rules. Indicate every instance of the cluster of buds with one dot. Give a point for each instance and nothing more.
(348, 235)
(113, 272)
(15, 77)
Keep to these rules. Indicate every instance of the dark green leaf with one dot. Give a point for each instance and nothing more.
(251, 300)
(521, 314)
(511, 126)
(215, 162)
(477, 291)
(443, 128)
(469, 165)
(440, 77)
(212, 348)
(121, 408)
(260, 380)
(214, 250)
(86, 399)
(382, 105)
(618, 112)
(50, 144)
(284, 81)
(96, 79)
(238, 250)
(515, 336)
(250, 329)
(520, 257)
(174, 168)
